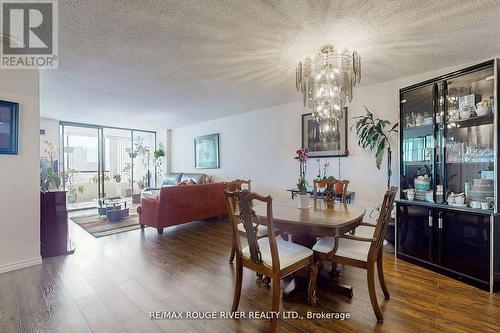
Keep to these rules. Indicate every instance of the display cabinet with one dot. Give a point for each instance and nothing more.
(447, 215)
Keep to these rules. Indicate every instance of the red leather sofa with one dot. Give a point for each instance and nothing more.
(182, 204)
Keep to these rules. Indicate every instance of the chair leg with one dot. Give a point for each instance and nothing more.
(237, 287)
(311, 291)
(142, 226)
(371, 291)
(380, 271)
(276, 303)
(233, 252)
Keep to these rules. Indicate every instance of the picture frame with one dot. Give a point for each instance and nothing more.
(206, 152)
(321, 146)
(9, 128)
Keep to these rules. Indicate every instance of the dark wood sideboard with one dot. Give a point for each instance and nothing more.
(54, 232)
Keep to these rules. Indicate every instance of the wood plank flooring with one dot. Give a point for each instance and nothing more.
(112, 283)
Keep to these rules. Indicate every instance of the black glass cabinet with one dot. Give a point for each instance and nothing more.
(447, 215)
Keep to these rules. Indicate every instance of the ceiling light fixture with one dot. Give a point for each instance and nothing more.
(327, 82)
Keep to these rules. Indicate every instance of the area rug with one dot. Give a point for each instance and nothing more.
(99, 226)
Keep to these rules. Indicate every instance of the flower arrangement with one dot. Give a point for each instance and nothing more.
(302, 155)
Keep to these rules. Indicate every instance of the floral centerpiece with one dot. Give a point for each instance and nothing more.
(302, 155)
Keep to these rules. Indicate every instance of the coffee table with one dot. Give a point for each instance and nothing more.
(114, 208)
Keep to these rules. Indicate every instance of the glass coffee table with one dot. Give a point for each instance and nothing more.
(114, 208)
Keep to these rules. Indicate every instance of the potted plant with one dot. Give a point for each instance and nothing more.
(117, 178)
(126, 173)
(160, 152)
(374, 134)
(50, 178)
(69, 181)
(303, 196)
(159, 155)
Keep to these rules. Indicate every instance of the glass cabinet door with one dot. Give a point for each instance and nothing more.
(417, 145)
(469, 133)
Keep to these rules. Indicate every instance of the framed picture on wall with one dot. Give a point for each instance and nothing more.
(9, 127)
(206, 152)
(326, 138)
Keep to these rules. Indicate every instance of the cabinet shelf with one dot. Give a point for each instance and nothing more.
(416, 132)
(490, 162)
(446, 206)
(474, 121)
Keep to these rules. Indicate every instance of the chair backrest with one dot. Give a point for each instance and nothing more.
(237, 185)
(239, 206)
(383, 220)
(334, 188)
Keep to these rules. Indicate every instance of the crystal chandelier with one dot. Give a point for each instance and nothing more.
(326, 82)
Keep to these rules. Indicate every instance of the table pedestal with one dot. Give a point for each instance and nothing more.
(326, 280)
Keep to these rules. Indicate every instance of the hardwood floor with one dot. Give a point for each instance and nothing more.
(112, 283)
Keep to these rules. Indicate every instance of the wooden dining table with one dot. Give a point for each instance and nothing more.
(321, 219)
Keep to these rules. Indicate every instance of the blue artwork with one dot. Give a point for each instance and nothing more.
(9, 127)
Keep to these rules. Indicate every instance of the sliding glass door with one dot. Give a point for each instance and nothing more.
(102, 162)
(81, 165)
(117, 163)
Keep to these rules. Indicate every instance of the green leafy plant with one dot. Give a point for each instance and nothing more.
(69, 178)
(160, 152)
(50, 178)
(95, 178)
(374, 134)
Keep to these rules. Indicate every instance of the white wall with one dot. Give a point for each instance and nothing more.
(260, 145)
(19, 176)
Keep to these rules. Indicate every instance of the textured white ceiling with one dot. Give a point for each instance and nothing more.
(164, 64)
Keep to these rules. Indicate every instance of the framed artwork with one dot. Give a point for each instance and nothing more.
(9, 127)
(326, 138)
(206, 152)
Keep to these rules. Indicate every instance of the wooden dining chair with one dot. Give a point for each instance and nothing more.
(269, 256)
(237, 185)
(335, 188)
(363, 250)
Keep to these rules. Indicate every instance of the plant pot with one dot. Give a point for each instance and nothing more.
(71, 198)
(303, 201)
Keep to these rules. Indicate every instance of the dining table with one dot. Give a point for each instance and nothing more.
(322, 219)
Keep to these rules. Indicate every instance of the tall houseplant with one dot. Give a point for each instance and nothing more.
(375, 134)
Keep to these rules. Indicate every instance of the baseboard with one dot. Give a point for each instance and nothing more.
(20, 265)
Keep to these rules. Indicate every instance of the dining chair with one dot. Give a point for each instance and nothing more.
(237, 185)
(334, 188)
(362, 250)
(269, 256)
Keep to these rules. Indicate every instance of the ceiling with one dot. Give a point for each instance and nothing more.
(165, 64)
